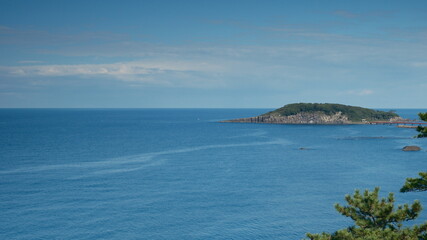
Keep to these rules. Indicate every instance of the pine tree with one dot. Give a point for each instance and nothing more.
(416, 184)
(376, 219)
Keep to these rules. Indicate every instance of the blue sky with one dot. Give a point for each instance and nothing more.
(232, 54)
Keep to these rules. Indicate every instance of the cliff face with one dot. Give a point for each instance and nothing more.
(299, 118)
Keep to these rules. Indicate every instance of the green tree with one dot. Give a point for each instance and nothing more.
(423, 116)
(416, 184)
(420, 129)
(376, 218)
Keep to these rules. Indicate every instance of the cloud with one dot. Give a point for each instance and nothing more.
(363, 92)
(346, 14)
(307, 54)
(3, 28)
(122, 68)
(364, 15)
(17, 36)
(30, 61)
(419, 64)
(161, 72)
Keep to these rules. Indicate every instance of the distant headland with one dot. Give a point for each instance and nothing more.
(320, 113)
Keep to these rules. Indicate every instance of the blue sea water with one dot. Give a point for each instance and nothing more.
(180, 174)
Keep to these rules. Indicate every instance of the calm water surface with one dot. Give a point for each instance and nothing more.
(179, 174)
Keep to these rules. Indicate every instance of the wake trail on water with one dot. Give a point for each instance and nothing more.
(258, 133)
(133, 162)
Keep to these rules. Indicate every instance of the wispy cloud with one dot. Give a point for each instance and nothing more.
(354, 15)
(363, 92)
(30, 61)
(346, 14)
(306, 55)
(419, 64)
(17, 36)
(3, 28)
(164, 73)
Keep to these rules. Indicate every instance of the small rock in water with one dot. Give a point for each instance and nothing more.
(411, 148)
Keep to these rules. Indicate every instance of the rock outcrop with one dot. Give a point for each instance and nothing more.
(299, 118)
(411, 148)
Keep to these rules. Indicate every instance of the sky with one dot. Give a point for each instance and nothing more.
(212, 54)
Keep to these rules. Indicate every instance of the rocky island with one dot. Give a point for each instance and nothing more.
(320, 113)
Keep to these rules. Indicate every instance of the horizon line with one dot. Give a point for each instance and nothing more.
(391, 108)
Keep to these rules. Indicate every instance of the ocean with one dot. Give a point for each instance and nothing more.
(180, 174)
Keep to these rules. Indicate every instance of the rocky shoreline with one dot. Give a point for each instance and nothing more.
(313, 118)
(299, 118)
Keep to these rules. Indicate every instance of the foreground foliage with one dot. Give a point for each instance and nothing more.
(379, 219)
(376, 218)
(415, 184)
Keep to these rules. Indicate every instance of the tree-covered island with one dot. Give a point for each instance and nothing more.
(320, 113)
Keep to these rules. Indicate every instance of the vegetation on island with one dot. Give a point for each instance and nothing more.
(354, 114)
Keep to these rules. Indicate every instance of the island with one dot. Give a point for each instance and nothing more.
(321, 113)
